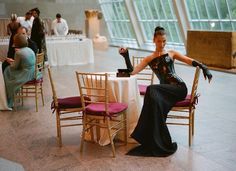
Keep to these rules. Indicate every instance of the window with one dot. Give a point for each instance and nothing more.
(118, 21)
(212, 14)
(152, 13)
(198, 14)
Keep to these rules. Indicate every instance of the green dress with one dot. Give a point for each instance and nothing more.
(19, 72)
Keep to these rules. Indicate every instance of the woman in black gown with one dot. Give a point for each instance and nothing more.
(151, 131)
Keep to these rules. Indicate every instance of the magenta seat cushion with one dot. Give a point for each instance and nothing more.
(142, 89)
(69, 102)
(35, 81)
(99, 109)
(184, 103)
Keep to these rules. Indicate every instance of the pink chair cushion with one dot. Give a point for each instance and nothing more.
(69, 102)
(184, 103)
(35, 81)
(142, 89)
(99, 109)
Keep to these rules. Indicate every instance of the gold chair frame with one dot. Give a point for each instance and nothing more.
(35, 88)
(64, 115)
(95, 86)
(185, 115)
(146, 76)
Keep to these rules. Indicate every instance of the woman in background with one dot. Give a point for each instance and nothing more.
(12, 28)
(21, 69)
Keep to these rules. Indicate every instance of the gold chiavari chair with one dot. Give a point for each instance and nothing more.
(183, 111)
(145, 77)
(99, 112)
(33, 88)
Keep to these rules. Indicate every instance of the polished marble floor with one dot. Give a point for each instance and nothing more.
(29, 138)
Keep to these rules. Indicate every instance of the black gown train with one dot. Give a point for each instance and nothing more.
(151, 130)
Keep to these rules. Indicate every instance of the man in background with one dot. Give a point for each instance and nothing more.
(59, 26)
(26, 21)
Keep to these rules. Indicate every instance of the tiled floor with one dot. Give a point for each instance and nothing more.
(29, 137)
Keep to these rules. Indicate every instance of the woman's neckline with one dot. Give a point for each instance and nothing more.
(159, 54)
(162, 55)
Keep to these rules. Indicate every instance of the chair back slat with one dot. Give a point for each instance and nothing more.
(53, 88)
(39, 64)
(195, 84)
(146, 76)
(94, 86)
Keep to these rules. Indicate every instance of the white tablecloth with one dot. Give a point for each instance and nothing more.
(124, 89)
(63, 50)
(4, 47)
(3, 98)
(70, 52)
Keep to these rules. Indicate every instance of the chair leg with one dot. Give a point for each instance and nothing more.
(193, 113)
(22, 98)
(36, 97)
(97, 131)
(14, 105)
(91, 130)
(58, 128)
(110, 137)
(41, 88)
(125, 128)
(190, 130)
(83, 133)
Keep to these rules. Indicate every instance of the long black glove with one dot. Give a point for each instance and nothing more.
(125, 53)
(205, 70)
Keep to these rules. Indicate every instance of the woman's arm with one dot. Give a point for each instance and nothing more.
(180, 57)
(15, 65)
(141, 65)
(125, 53)
(176, 55)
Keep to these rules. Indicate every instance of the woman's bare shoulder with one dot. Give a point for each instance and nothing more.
(149, 57)
(173, 53)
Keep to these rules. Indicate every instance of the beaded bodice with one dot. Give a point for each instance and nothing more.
(163, 67)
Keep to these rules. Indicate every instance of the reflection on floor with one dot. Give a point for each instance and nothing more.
(29, 137)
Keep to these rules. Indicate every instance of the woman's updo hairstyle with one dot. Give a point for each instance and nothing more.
(159, 31)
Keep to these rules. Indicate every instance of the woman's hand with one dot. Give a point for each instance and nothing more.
(207, 74)
(123, 51)
(9, 60)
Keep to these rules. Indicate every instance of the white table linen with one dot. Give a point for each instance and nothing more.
(123, 89)
(63, 50)
(4, 47)
(70, 52)
(3, 97)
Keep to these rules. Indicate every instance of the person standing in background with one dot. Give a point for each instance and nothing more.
(26, 21)
(11, 31)
(59, 26)
(38, 33)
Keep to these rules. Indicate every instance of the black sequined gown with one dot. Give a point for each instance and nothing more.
(151, 130)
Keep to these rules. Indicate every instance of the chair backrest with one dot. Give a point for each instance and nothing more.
(54, 94)
(94, 86)
(195, 85)
(146, 76)
(39, 64)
